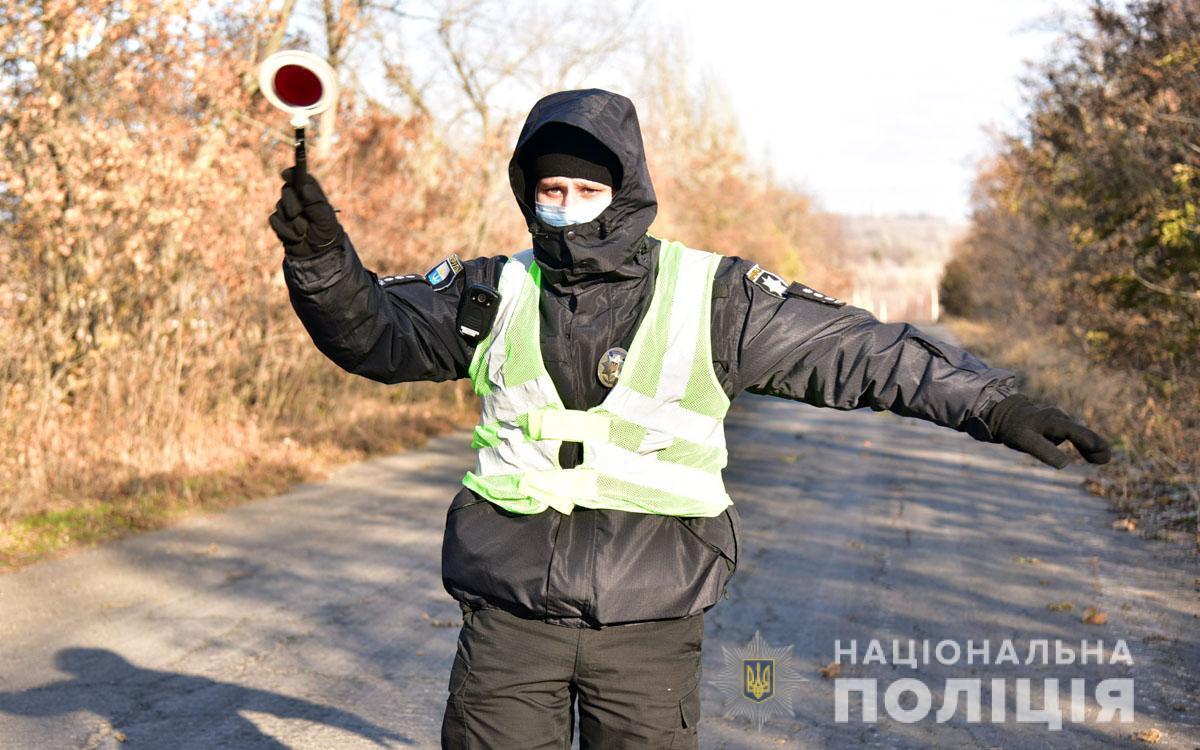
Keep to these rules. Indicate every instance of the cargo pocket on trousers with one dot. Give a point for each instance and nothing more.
(454, 720)
(458, 676)
(689, 716)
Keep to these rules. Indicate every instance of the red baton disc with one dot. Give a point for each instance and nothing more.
(297, 86)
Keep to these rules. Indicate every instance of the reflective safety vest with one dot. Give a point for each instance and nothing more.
(656, 444)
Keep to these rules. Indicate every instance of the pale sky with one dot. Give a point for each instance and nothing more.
(873, 106)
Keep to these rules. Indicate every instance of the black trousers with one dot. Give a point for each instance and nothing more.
(515, 684)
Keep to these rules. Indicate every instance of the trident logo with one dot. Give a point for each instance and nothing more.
(759, 681)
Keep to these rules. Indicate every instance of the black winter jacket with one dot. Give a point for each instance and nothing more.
(601, 567)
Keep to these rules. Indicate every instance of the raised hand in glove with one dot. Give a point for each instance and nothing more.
(305, 224)
(1034, 429)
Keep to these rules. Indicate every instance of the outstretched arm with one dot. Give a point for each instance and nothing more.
(390, 329)
(795, 343)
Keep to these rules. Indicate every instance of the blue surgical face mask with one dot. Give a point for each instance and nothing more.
(579, 212)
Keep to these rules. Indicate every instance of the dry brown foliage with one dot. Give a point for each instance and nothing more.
(147, 347)
(1085, 245)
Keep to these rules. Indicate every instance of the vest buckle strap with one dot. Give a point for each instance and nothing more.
(559, 488)
(569, 425)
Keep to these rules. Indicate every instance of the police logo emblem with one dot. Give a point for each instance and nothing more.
(758, 679)
(440, 276)
(609, 367)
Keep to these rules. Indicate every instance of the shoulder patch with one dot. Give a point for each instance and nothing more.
(767, 281)
(797, 289)
(442, 274)
(401, 279)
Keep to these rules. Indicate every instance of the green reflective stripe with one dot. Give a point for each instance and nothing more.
(643, 364)
(625, 434)
(704, 393)
(503, 490)
(695, 455)
(565, 424)
(656, 501)
(575, 426)
(562, 485)
(568, 424)
(534, 491)
(701, 396)
(524, 357)
(477, 370)
(486, 436)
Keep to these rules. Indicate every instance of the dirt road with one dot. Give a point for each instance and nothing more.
(317, 619)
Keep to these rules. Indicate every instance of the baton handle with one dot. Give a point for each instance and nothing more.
(300, 173)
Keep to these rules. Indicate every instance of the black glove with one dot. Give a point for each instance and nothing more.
(307, 229)
(1025, 426)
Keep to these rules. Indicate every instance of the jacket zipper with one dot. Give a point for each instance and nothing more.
(704, 541)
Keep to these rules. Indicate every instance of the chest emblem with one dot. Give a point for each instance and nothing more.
(609, 367)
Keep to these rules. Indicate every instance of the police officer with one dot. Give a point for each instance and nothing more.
(594, 530)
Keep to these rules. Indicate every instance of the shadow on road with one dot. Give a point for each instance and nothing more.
(191, 711)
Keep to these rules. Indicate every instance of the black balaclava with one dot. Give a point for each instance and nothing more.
(613, 143)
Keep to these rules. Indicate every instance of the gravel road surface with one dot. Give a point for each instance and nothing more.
(317, 619)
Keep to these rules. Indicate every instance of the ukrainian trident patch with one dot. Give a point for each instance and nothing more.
(758, 683)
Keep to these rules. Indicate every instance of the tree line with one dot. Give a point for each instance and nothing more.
(148, 353)
(1084, 245)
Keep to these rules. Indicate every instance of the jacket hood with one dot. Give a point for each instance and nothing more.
(610, 243)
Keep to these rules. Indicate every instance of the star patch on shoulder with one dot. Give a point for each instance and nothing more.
(767, 281)
(441, 275)
(796, 289)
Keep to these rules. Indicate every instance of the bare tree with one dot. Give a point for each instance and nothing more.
(250, 78)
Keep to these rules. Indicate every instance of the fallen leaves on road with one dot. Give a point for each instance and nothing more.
(1093, 616)
(1061, 607)
(1150, 736)
(119, 735)
(436, 623)
(831, 670)
(1022, 559)
(854, 545)
(789, 458)
(1129, 524)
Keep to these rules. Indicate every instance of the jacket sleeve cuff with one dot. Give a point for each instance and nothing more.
(315, 273)
(977, 424)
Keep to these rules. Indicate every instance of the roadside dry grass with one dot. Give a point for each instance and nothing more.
(266, 465)
(1154, 481)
